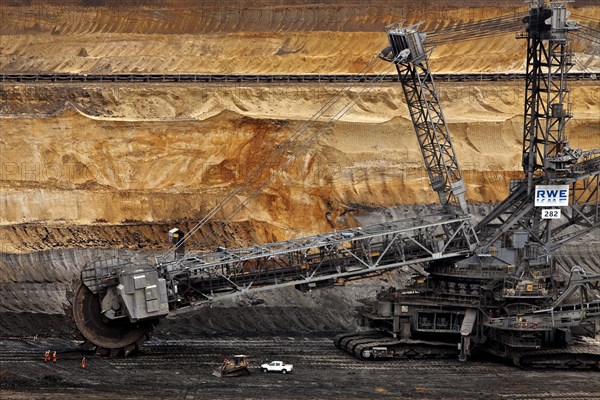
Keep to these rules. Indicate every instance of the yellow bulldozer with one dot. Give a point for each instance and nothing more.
(236, 366)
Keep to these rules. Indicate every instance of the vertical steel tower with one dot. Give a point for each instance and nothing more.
(547, 158)
(546, 91)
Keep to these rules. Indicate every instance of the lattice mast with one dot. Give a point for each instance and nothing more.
(546, 156)
(547, 107)
(406, 50)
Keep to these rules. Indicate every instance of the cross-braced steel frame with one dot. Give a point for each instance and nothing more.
(544, 140)
(317, 259)
(427, 117)
(546, 91)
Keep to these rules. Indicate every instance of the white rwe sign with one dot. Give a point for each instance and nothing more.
(551, 195)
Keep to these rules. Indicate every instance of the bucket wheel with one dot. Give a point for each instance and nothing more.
(111, 337)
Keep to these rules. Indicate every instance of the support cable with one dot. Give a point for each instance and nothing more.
(279, 154)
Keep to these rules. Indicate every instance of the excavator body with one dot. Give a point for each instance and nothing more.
(492, 287)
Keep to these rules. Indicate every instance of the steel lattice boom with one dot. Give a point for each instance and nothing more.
(407, 52)
(309, 261)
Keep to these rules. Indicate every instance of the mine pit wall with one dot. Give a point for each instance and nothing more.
(36, 282)
(142, 159)
(263, 37)
(169, 153)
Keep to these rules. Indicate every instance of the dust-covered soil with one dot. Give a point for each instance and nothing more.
(119, 165)
(235, 37)
(110, 165)
(182, 369)
(287, 324)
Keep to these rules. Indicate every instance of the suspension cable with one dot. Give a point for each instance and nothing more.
(472, 30)
(310, 141)
(277, 156)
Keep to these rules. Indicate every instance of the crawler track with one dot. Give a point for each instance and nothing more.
(577, 356)
(362, 345)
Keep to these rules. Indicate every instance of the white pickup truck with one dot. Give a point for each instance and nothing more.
(277, 366)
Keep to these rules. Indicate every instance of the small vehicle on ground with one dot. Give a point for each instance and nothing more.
(237, 366)
(277, 366)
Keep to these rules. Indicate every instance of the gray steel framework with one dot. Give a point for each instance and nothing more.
(547, 158)
(306, 261)
(514, 213)
(546, 91)
(327, 258)
(426, 115)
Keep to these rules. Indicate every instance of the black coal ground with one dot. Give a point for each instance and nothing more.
(182, 369)
(284, 324)
(179, 361)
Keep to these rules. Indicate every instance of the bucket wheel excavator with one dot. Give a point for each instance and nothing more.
(491, 286)
(507, 297)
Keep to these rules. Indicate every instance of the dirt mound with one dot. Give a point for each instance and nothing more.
(36, 324)
(257, 321)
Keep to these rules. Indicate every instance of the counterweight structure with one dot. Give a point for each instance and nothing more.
(490, 287)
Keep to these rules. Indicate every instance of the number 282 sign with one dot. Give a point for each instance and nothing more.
(551, 195)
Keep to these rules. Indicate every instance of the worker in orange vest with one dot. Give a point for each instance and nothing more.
(54, 357)
(47, 356)
(83, 363)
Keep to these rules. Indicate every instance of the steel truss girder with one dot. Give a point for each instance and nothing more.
(517, 212)
(432, 132)
(546, 92)
(325, 257)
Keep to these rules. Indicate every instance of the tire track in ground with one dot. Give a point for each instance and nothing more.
(179, 368)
